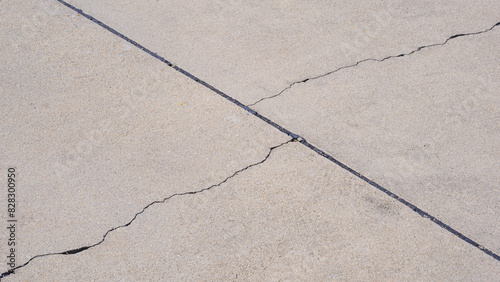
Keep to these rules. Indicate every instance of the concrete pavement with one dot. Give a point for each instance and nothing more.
(425, 126)
(294, 217)
(129, 169)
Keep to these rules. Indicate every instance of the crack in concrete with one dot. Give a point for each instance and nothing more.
(374, 60)
(295, 138)
(81, 249)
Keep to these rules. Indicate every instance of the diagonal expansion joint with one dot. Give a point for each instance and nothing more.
(81, 249)
(374, 60)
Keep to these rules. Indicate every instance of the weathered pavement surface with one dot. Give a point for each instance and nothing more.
(160, 140)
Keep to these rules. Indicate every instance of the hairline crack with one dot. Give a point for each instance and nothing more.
(163, 201)
(373, 60)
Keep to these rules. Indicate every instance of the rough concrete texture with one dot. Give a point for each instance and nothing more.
(185, 185)
(253, 49)
(294, 217)
(426, 126)
(98, 130)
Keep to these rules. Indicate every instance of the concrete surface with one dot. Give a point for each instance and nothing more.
(98, 130)
(102, 135)
(294, 217)
(425, 126)
(253, 49)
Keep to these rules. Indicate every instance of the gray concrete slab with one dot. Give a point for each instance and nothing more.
(254, 49)
(97, 129)
(183, 185)
(293, 217)
(425, 126)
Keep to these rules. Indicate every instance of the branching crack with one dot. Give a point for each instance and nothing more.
(374, 60)
(81, 249)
